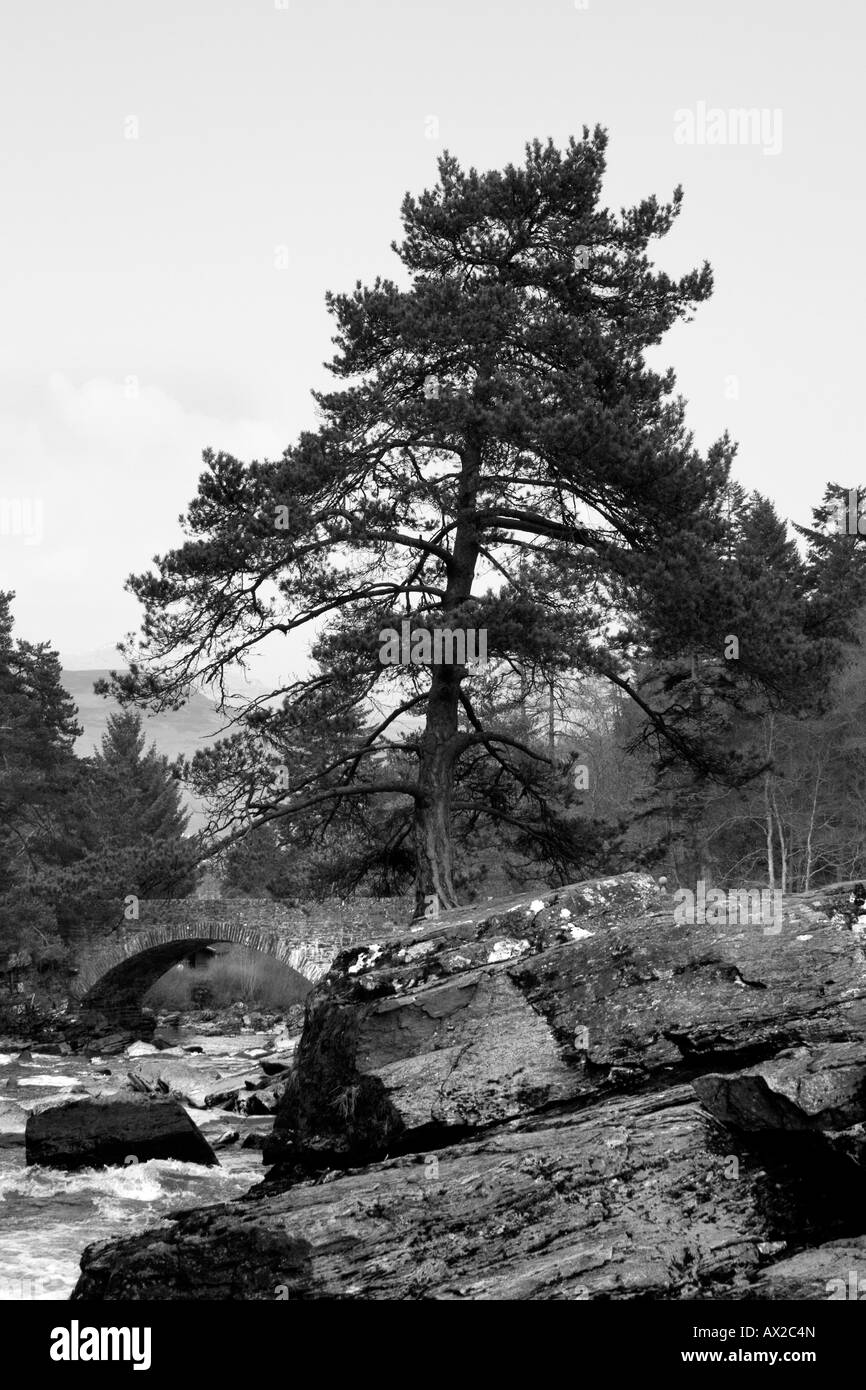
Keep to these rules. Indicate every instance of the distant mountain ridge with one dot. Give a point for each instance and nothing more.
(174, 732)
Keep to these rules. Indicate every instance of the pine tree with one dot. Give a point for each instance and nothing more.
(135, 795)
(501, 459)
(132, 828)
(37, 781)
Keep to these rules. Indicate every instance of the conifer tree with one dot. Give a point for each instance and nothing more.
(37, 780)
(135, 795)
(499, 457)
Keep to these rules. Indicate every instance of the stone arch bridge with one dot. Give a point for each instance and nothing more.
(115, 972)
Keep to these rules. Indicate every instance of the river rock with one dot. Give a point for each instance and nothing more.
(277, 1066)
(262, 1101)
(141, 1049)
(198, 1085)
(253, 1141)
(112, 1045)
(820, 1088)
(96, 1132)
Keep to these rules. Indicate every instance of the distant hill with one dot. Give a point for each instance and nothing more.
(176, 731)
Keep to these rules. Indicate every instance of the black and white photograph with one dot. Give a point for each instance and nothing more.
(432, 676)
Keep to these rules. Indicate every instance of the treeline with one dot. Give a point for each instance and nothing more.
(75, 832)
(773, 790)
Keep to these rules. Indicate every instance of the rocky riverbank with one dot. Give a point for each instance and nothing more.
(565, 1097)
(226, 1075)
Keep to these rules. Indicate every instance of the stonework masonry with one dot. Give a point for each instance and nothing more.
(165, 931)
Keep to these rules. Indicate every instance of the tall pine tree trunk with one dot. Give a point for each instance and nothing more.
(442, 741)
(434, 885)
(551, 720)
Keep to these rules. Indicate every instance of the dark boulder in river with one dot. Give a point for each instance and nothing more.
(94, 1133)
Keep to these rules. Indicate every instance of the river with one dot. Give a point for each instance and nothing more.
(48, 1216)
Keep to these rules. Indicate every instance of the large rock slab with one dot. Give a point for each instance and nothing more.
(820, 1088)
(638, 1197)
(199, 1084)
(834, 1271)
(475, 1018)
(93, 1133)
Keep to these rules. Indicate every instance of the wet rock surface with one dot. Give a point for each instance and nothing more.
(254, 1084)
(94, 1132)
(571, 1096)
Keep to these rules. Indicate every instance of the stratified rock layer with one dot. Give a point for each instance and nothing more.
(641, 1196)
(822, 1088)
(500, 1104)
(592, 990)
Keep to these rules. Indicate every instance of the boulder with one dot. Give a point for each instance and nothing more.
(112, 1045)
(821, 1088)
(253, 1141)
(262, 1101)
(478, 1017)
(196, 1084)
(141, 1049)
(97, 1132)
(276, 1066)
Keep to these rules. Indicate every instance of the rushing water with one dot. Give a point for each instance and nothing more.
(48, 1216)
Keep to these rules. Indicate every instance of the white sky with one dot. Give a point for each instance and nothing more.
(302, 127)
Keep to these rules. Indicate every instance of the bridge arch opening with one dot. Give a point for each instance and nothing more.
(222, 976)
(117, 977)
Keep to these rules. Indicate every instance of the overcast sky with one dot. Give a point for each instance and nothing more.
(182, 181)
